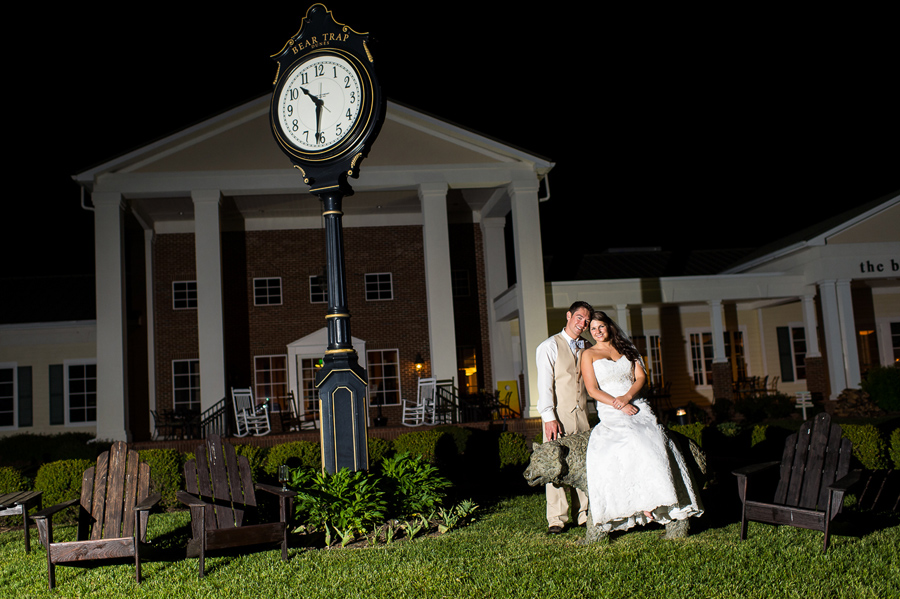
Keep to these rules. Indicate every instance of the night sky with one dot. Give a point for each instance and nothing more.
(675, 129)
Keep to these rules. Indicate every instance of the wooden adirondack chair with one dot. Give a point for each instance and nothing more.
(814, 478)
(219, 492)
(114, 507)
(18, 503)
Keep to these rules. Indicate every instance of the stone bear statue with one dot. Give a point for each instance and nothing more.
(562, 462)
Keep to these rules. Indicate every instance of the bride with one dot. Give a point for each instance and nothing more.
(635, 472)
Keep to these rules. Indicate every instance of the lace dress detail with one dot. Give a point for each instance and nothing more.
(632, 465)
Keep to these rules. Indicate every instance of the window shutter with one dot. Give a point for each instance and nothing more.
(24, 383)
(785, 354)
(57, 395)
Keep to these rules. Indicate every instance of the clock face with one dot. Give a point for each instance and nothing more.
(320, 103)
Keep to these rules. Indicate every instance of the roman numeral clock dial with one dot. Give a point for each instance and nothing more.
(320, 104)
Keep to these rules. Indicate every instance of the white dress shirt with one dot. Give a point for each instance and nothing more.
(546, 358)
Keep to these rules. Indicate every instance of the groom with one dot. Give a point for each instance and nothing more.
(562, 404)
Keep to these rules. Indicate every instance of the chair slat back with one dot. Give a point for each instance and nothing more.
(219, 474)
(813, 458)
(109, 492)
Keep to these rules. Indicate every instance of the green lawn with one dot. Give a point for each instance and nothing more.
(505, 553)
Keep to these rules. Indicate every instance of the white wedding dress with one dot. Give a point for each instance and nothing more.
(632, 465)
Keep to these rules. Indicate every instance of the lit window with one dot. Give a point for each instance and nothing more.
(271, 378)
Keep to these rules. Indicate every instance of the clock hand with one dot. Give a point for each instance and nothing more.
(318, 121)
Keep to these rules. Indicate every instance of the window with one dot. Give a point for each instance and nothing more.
(895, 341)
(792, 352)
(186, 384)
(384, 377)
(267, 292)
(379, 286)
(184, 295)
(271, 378)
(318, 290)
(650, 348)
(7, 396)
(459, 283)
(310, 398)
(81, 392)
(701, 353)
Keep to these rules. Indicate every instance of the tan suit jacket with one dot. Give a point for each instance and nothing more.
(571, 396)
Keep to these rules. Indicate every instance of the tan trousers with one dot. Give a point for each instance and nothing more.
(557, 502)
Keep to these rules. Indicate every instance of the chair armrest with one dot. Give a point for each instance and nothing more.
(276, 490)
(47, 512)
(190, 500)
(845, 482)
(148, 503)
(754, 469)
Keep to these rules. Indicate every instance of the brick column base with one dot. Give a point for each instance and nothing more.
(722, 383)
(817, 381)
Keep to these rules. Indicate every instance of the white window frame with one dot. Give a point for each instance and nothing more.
(13, 366)
(791, 328)
(886, 345)
(66, 387)
(257, 382)
(374, 379)
(379, 280)
(190, 388)
(323, 291)
(654, 356)
(186, 295)
(742, 329)
(268, 295)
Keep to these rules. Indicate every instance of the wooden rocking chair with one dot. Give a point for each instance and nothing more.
(814, 478)
(219, 493)
(113, 510)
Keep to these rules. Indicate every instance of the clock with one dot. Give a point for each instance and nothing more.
(322, 106)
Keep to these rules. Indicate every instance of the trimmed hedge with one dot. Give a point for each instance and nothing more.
(883, 386)
(692, 431)
(302, 454)
(423, 443)
(868, 445)
(759, 434)
(895, 448)
(379, 449)
(61, 481)
(166, 473)
(513, 450)
(460, 435)
(12, 480)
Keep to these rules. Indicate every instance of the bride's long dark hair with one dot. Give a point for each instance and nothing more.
(617, 338)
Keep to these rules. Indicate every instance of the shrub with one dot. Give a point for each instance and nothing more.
(868, 445)
(256, 456)
(413, 485)
(423, 443)
(895, 448)
(61, 481)
(346, 503)
(379, 449)
(166, 473)
(729, 429)
(297, 454)
(513, 449)
(883, 386)
(757, 407)
(692, 431)
(759, 434)
(460, 436)
(12, 480)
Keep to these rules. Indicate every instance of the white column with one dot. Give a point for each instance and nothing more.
(112, 380)
(833, 343)
(809, 323)
(208, 250)
(496, 282)
(531, 295)
(718, 331)
(623, 319)
(438, 288)
(848, 333)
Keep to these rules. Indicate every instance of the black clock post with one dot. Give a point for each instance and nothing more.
(326, 110)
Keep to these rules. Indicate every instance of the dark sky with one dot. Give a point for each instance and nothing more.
(676, 129)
